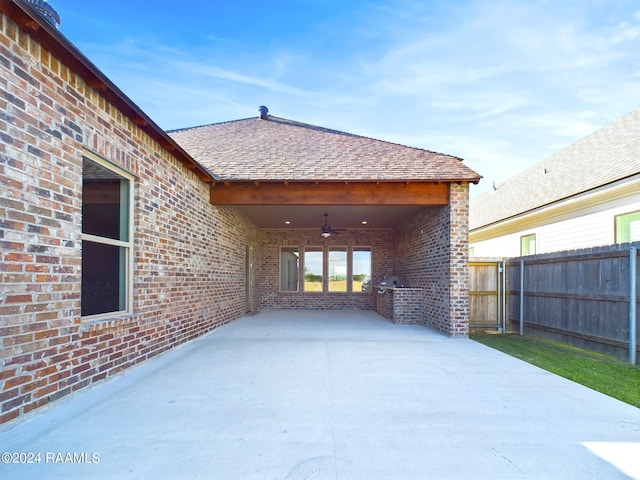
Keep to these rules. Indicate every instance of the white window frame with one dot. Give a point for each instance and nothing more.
(127, 245)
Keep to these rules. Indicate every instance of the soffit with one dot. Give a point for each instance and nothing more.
(340, 216)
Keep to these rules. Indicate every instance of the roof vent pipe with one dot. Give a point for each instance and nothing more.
(264, 112)
(47, 11)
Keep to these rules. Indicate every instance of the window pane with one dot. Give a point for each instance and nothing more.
(103, 278)
(289, 262)
(313, 261)
(528, 244)
(337, 269)
(106, 211)
(105, 208)
(361, 277)
(628, 227)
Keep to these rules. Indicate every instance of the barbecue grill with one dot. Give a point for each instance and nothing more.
(392, 281)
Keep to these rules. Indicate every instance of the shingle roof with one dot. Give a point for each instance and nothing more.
(278, 150)
(607, 155)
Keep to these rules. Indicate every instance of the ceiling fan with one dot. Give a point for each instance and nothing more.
(326, 228)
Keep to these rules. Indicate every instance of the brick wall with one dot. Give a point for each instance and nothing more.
(402, 305)
(459, 258)
(189, 267)
(269, 272)
(431, 253)
(408, 304)
(384, 304)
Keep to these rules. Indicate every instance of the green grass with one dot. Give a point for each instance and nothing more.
(599, 372)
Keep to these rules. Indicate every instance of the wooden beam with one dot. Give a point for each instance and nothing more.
(329, 193)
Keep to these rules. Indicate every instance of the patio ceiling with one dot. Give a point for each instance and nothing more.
(350, 205)
(340, 216)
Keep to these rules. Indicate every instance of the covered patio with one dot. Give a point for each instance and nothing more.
(301, 394)
(321, 200)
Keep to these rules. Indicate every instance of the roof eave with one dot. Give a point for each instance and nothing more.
(473, 180)
(30, 20)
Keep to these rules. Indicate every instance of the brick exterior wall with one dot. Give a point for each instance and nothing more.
(432, 254)
(189, 267)
(269, 271)
(459, 260)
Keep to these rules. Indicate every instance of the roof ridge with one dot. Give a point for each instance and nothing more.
(184, 129)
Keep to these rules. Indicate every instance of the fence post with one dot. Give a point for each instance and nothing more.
(521, 296)
(504, 296)
(632, 305)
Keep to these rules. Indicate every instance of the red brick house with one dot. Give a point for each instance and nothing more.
(120, 241)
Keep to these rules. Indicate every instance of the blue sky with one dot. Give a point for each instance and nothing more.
(502, 84)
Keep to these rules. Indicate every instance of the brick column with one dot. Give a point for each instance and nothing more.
(459, 260)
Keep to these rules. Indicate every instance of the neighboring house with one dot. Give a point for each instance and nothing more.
(583, 196)
(119, 241)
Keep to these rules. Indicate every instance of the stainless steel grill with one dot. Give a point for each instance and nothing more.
(392, 281)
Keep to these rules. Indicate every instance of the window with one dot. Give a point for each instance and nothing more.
(627, 227)
(326, 269)
(289, 266)
(313, 267)
(337, 269)
(107, 231)
(528, 244)
(361, 268)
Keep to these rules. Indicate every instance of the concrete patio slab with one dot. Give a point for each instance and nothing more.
(329, 394)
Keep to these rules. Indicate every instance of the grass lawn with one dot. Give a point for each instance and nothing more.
(599, 372)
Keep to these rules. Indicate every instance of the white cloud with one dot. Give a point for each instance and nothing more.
(500, 83)
(208, 71)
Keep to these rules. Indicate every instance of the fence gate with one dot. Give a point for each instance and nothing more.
(487, 298)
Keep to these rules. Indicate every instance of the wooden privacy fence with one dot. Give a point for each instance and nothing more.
(587, 298)
(487, 299)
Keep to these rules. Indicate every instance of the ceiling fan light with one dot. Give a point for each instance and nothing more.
(326, 234)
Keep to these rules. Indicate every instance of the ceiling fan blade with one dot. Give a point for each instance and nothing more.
(326, 228)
